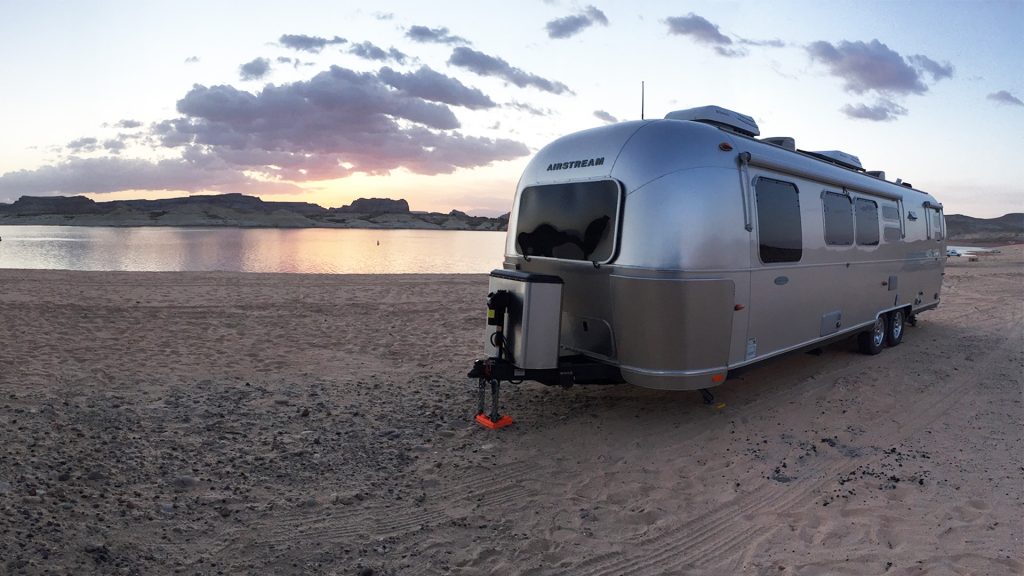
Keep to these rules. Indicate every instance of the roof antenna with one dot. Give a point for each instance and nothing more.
(641, 99)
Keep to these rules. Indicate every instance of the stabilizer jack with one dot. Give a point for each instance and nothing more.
(494, 420)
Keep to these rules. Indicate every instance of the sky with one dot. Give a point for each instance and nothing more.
(443, 103)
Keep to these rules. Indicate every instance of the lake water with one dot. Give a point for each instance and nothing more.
(308, 250)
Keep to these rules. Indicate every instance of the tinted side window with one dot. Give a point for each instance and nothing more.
(867, 222)
(778, 221)
(838, 219)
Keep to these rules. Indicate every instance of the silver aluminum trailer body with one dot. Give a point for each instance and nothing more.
(711, 250)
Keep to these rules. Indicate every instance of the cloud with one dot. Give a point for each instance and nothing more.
(303, 43)
(338, 123)
(883, 111)
(435, 35)
(730, 52)
(703, 32)
(110, 174)
(192, 60)
(873, 67)
(486, 65)
(528, 108)
(868, 66)
(572, 25)
(1004, 97)
(254, 70)
(697, 27)
(773, 43)
(225, 115)
(86, 144)
(371, 51)
(938, 71)
(114, 145)
(436, 87)
(294, 62)
(605, 116)
(450, 151)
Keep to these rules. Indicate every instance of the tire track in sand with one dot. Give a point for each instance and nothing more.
(707, 540)
(381, 521)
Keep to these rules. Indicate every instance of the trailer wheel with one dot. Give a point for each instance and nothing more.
(872, 341)
(894, 328)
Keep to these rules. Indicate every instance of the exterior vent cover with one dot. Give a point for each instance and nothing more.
(781, 141)
(880, 174)
(839, 157)
(718, 116)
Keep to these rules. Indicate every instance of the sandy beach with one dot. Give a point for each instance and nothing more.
(221, 423)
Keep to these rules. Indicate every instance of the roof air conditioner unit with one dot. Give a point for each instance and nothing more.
(844, 159)
(781, 141)
(718, 116)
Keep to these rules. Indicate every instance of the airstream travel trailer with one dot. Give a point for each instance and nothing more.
(666, 253)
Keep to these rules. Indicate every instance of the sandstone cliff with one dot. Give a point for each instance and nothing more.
(234, 210)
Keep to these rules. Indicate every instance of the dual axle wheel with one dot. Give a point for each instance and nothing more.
(888, 330)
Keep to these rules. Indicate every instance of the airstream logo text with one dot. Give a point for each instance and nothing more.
(576, 164)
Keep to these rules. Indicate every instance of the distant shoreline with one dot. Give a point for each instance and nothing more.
(255, 226)
(235, 211)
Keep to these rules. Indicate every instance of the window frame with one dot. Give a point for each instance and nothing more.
(760, 227)
(899, 219)
(934, 212)
(856, 222)
(825, 218)
(616, 230)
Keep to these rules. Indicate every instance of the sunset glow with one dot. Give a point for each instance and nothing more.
(444, 105)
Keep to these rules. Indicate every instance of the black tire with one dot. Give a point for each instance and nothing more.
(894, 325)
(872, 341)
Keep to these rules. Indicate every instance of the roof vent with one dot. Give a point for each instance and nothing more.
(781, 141)
(839, 157)
(880, 174)
(718, 116)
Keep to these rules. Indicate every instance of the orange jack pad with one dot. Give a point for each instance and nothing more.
(486, 422)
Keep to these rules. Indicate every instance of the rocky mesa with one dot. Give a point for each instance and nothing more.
(1006, 229)
(237, 210)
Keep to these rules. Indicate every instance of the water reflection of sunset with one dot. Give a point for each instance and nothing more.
(312, 250)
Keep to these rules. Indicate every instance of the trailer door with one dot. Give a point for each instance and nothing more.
(777, 283)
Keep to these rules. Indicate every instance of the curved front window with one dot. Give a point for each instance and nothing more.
(569, 221)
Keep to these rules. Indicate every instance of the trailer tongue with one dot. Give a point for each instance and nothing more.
(523, 327)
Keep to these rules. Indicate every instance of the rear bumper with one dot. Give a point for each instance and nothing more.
(572, 370)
